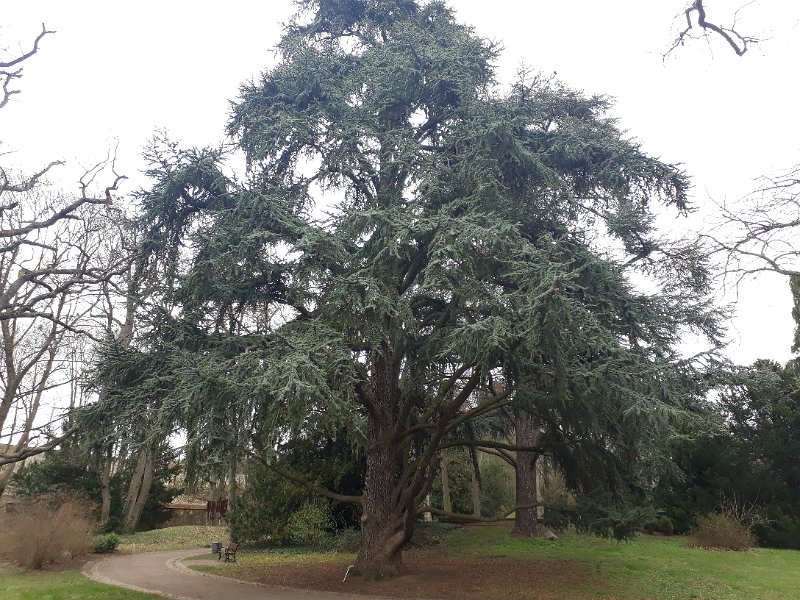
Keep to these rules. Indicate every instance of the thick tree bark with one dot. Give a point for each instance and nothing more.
(393, 494)
(385, 527)
(527, 434)
(382, 540)
(138, 491)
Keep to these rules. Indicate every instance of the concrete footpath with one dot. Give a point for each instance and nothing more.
(163, 573)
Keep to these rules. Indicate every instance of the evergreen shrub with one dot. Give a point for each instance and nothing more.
(312, 524)
(107, 542)
(662, 524)
(347, 540)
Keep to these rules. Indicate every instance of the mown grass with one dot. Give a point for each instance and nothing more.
(646, 568)
(652, 567)
(174, 538)
(18, 584)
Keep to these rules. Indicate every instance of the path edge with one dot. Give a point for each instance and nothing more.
(176, 564)
(91, 571)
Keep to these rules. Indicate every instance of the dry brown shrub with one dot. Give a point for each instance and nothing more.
(730, 528)
(719, 530)
(49, 529)
(554, 490)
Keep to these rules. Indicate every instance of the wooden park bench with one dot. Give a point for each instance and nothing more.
(229, 551)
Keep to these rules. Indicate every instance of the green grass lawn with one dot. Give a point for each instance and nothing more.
(174, 538)
(647, 568)
(17, 584)
(652, 567)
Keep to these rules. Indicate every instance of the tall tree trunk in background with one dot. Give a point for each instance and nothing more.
(476, 483)
(527, 434)
(233, 485)
(447, 503)
(426, 516)
(141, 480)
(105, 485)
(138, 490)
(191, 480)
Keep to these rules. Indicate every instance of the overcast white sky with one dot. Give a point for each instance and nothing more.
(116, 71)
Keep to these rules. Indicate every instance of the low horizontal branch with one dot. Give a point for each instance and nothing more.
(310, 485)
(490, 444)
(25, 453)
(472, 518)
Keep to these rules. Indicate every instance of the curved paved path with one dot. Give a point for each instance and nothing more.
(163, 573)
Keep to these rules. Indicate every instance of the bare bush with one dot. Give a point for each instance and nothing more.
(730, 528)
(554, 490)
(47, 531)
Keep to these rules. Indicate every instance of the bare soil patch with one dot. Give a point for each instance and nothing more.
(434, 574)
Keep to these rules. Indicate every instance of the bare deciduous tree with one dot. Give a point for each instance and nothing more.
(55, 314)
(54, 269)
(762, 232)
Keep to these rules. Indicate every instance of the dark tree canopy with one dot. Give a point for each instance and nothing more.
(751, 460)
(416, 246)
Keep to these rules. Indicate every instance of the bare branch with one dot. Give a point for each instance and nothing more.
(7, 76)
(313, 487)
(738, 42)
(462, 443)
(27, 55)
(64, 213)
(26, 185)
(26, 453)
(472, 518)
(759, 233)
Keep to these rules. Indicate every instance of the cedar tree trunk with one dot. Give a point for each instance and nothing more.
(382, 531)
(386, 523)
(525, 519)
